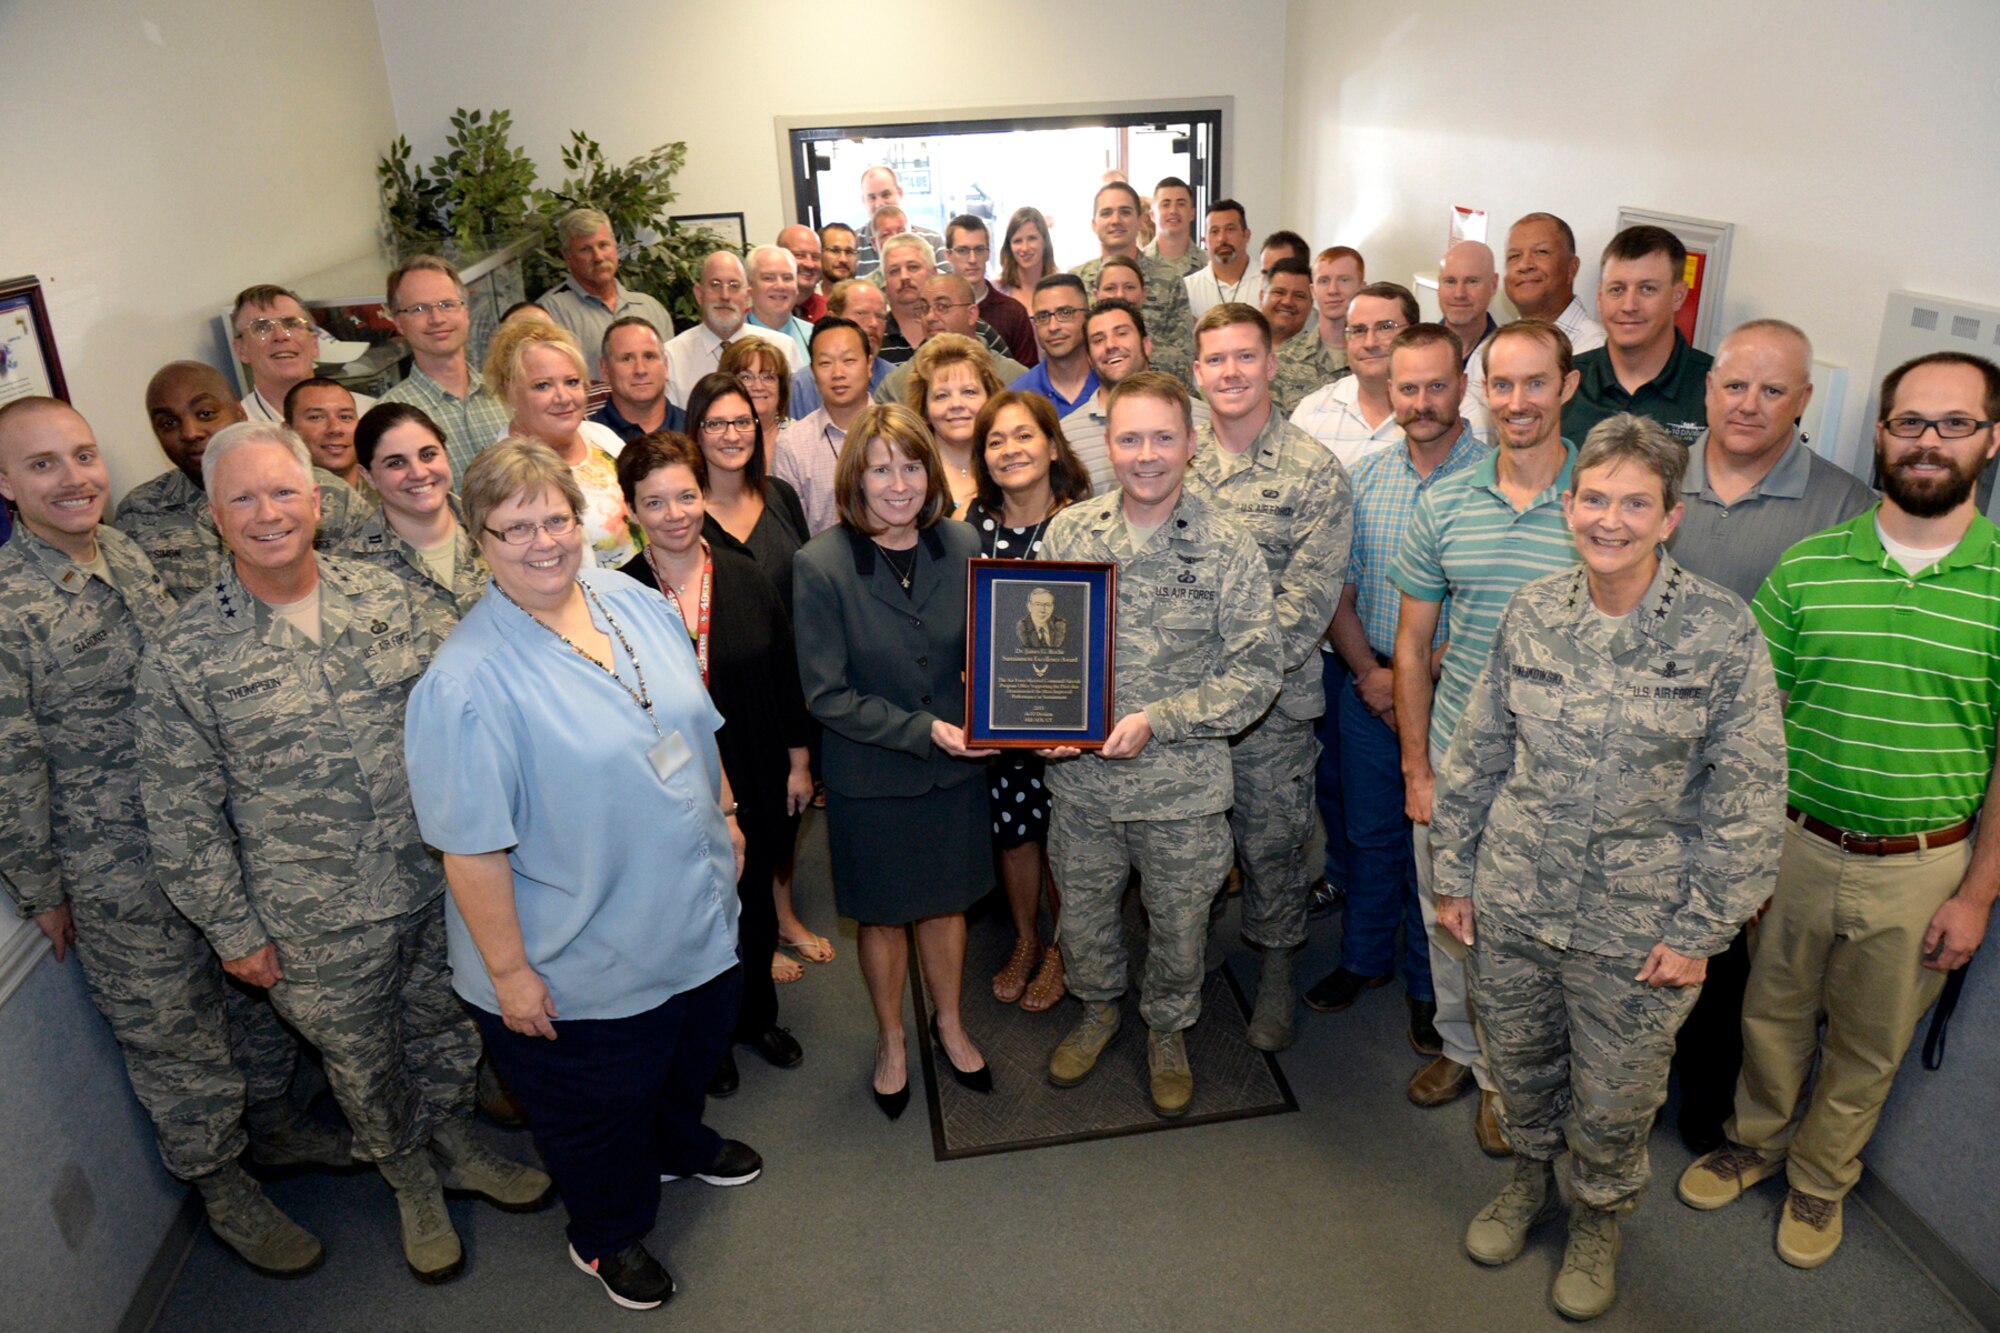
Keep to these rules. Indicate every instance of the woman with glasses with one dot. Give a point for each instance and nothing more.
(951, 378)
(1026, 474)
(1026, 256)
(540, 373)
(563, 758)
(881, 640)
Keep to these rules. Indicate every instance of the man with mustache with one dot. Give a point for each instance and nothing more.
(1883, 638)
(591, 297)
(1228, 276)
(724, 297)
(907, 264)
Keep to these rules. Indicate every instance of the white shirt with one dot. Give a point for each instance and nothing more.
(695, 352)
(1205, 292)
(1331, 414)
(1584, 332)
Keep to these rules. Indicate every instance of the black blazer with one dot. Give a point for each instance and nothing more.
(878, 664)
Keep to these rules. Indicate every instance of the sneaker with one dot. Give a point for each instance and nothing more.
(631, 1277)
(430, 1245)
(1424, 1038)
(1339, 989)
(1588, 1282)
(1172, 1077)
(255, 1228)
(1440, 1081)
(1076, 1055)
(468, 1166)
(1808, 1229)
(1324, 900)
(1275, 1015)
(736, 1164)
(1500, 1231)
(1721, 1177)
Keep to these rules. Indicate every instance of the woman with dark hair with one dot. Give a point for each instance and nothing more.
(743, 643)
(1026, 473)
(419, 530)
(1026, 256)
(761, 366)
(881, 637)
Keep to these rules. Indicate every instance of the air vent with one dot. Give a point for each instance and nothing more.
(1961, 327)
(1927, 320)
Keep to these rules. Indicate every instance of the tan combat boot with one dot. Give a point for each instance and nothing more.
(1497, 1235)
(467, 1166)
(430, 1245)
(1173, 1077)
(282, 1139)
(1077, 1054)
(250, 1224)
(1588, 1282)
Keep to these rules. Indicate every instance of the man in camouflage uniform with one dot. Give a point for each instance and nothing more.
(1304, 362)
(168, 517)
(1293, 496)
(1610, 810)
(1173, 215)
(271, 753)
(78, 602)
(1114, 217)
(1197, 661)
(1120, 279)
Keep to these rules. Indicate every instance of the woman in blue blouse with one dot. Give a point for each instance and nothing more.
(562, 750)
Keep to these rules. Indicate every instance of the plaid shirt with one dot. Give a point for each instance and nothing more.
(471, 424)
(1386, 488)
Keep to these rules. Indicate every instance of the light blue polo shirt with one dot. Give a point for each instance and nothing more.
(624, 883)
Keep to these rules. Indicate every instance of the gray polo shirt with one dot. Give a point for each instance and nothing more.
(1738, 544)
(587, 318)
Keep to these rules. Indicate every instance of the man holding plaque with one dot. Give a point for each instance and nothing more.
(1293, 496)
(1196, 662)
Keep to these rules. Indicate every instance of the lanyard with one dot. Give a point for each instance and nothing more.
(698, 628)
(640, 696)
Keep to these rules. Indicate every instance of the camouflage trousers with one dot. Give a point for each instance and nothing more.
(1579, 1053)
(158, 984)
(1274, 764)
(399, 1048)
(1180, 861)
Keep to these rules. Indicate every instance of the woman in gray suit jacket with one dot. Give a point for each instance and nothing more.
(880, 605)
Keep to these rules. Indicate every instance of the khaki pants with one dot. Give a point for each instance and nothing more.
(1843, 942)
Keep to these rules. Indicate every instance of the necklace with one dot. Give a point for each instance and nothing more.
(903, 573)
(641, 696)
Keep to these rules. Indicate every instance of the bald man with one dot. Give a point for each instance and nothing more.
(881, 189)
(951, 308)
(1468, 281)
(168, 517)
(802, 243)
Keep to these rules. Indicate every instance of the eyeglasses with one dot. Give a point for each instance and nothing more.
(265, 329)
(923, 308)
(520, 534)
(971, 251)
(1948, 428)
(1065, 313)
(715, 427)
(1386, 328)
(422, 308)
(757, 378)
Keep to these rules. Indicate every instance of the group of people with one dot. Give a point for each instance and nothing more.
(485, 715)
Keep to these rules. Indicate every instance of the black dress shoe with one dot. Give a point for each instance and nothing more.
(1424, 1038)
(979, 1080)
(726, 1078)
(1339, 989)
(776, 1045)
(736, 1164)
(893, 1103)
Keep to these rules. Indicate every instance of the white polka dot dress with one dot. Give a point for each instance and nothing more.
(1020, 803)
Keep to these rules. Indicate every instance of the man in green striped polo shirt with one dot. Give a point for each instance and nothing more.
(1475, 537)
(1885, 633)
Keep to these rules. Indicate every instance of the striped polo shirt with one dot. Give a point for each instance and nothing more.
(1468, 542)
(1894, 678)
(1387, 487)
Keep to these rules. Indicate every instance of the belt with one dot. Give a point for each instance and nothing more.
(1871, 844)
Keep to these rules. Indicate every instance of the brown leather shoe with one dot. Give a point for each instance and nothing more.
(1486, 1127)
(1440, 1081)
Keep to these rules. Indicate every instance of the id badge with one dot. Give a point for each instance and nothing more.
(669, 755)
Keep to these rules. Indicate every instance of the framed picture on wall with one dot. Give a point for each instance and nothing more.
(727, 228)
(29, 365)
(1700, 318)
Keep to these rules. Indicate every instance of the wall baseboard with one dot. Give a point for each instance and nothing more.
(165, 1268)
(1952, 1272)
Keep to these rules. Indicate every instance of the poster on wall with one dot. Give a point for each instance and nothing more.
(1700, 317)
(29, 365)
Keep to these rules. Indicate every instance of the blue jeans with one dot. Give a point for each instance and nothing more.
(1326, 778)
(1382, 871)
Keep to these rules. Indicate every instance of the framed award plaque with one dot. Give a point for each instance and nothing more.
(1040, 637)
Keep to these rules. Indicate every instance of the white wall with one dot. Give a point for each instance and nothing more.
(1851, 144)
(636, 73)
(160, 158)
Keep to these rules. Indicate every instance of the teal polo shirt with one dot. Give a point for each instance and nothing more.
(1677, 397)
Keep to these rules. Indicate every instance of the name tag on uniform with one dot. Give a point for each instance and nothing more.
(669, 754)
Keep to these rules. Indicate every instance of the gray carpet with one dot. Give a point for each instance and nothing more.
(1348, 1214)
(1232, 1079)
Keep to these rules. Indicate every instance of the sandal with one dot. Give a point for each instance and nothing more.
(1048, 986)
(813, 948)
(1011, 980)
(784, 969)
